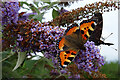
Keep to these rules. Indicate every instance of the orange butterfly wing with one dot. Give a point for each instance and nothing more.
(66, 57)
(86, 28)
(70, 30)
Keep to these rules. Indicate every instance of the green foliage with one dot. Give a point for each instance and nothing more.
(111, 69)
(29, 69)
(38, 17)
(55, 13)
(36, 3)
(21, 58)
(52, 4)
(31, 6)
(8, 65)
(36, 68)
(35, 8)
(46, 1)
(22, 3)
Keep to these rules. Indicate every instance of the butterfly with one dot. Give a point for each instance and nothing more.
(96, 35)
(74, 39)
(76, 36)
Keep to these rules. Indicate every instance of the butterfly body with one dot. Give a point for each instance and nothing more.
(102, 42)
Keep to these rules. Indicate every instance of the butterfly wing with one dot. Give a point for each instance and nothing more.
(65, 57)
(96, 35)
(87, 28)
(78, 38)
(61, 43)
(67, 54)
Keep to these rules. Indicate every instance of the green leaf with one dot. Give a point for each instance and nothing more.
(29, 63)
(34, 9)
(38, 17)
(26, 8)
(5, 53)
(52, 4)
(31, 16)
(38, 69)
(44, 7)
(21, 58)
(56, 7)
(46, 1)
(55, 13)
(49, 62)
(36, 3)
(21, 3)
(8, 66)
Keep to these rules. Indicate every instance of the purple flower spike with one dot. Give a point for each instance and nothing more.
(90, 60)
(74, 77)
(77, 76)
(10, 13)
(63, 71)
(54, 72)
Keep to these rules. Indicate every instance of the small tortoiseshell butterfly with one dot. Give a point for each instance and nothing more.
(75, 37)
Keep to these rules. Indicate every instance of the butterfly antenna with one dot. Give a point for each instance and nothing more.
(108, 43)
(106, 37)
(103, 39)
(114, 48)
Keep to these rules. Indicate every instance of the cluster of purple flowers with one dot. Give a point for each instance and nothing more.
(42, 37)
(89, 60)
(9, 12)
(38, 37)
(74, 77)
